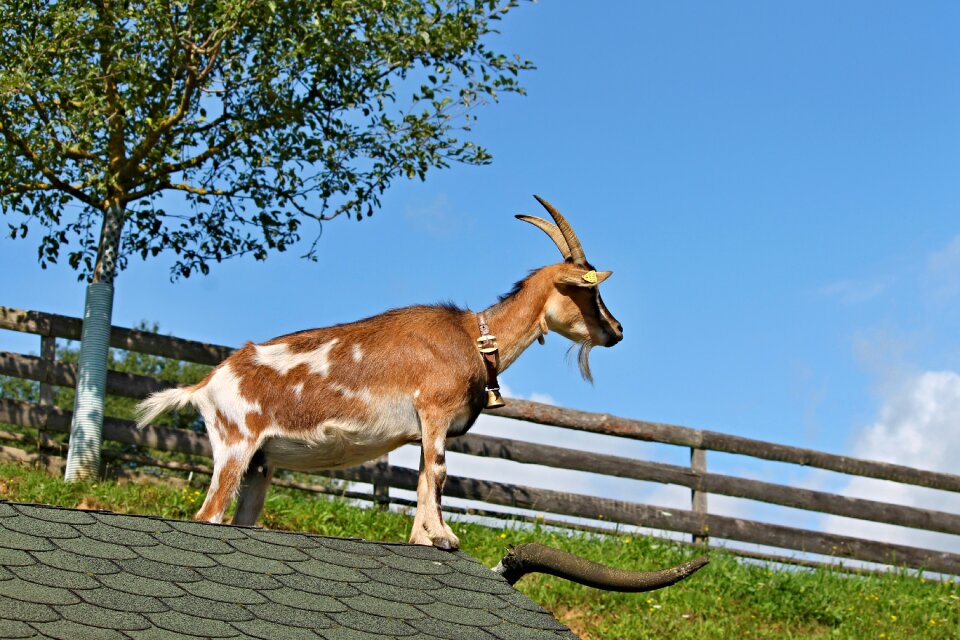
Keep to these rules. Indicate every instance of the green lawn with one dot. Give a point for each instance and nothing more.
(726, 600)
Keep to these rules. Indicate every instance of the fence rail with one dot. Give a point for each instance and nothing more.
(697, 521)
(695, 477)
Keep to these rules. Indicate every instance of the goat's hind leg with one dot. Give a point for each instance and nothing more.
(229, 464)
(253, 490)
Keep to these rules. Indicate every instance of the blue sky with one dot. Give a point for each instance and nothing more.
(775, 187)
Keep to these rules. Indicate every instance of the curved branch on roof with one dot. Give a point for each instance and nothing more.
(536, 558)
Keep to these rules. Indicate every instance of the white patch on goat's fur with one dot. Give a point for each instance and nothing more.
(363, 394)
(416, 394)
(357, 353)
(223, 393)
(297, 389)
(237, 451)
(279, 357)
(440, 444)
(345, 442)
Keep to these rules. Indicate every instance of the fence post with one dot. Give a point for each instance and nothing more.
(48, 353)
(698, 497)
(381, 482)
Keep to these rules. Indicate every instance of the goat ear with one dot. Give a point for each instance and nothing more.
(603, 275)
(583, 278)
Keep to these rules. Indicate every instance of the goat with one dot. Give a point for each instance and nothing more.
(339, 396)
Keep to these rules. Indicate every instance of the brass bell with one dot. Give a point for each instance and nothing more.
(494, 399)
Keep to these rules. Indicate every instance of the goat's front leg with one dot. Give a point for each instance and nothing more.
(428, 525)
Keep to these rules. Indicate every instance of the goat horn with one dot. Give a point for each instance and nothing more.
(576, 250)
(550, 229)
(536, 558)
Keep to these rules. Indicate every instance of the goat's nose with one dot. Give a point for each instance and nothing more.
(615, 337)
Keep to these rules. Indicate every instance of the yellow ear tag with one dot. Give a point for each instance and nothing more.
(591, 277)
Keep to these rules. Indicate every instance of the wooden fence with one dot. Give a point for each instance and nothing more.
(697, 521)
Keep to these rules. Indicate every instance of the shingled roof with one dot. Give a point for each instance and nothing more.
(98, 575)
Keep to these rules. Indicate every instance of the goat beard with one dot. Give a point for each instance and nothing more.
(583, 358)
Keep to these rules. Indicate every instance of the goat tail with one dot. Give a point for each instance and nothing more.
(162, 401)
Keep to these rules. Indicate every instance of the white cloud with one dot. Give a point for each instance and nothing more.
(946, 260)
(919, 426)
(888, 355)
(853, 292)
(545, 398)
(436, 218)
(943, 272)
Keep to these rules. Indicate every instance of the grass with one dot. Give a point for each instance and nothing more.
(728, 599)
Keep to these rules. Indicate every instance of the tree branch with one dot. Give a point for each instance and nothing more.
(190, 163)
(71, 152)
(115, 142)
(38, 164)
(163, 127)
(194, 81)
(27, 187)
(176, 186)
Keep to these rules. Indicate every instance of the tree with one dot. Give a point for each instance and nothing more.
(218, 129)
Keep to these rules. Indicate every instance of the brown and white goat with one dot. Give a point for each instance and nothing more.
(342, 395)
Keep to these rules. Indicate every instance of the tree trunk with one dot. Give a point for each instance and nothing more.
(83, 457)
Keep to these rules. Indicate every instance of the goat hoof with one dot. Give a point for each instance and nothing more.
(445, 540)
(421, 538)
(447, 543)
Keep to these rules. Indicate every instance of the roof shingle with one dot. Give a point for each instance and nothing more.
(92, 574)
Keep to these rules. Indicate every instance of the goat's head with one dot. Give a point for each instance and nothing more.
(575, 309)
